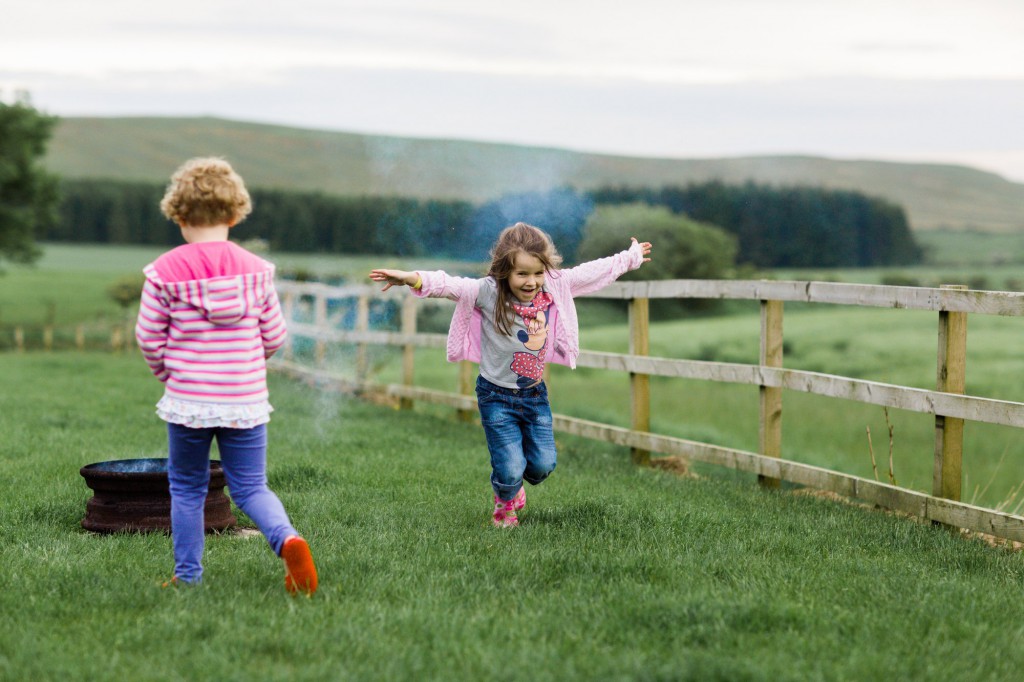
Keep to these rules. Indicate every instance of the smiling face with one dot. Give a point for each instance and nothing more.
(526, 278)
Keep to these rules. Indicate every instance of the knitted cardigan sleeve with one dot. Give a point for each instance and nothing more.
(584, 279)
(594, 275)
(439, 284)
(464, 291)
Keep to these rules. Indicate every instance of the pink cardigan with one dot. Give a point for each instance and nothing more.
(564, 285)
(208, 319)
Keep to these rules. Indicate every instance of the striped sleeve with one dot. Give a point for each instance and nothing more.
(272, 326)
(151, 328)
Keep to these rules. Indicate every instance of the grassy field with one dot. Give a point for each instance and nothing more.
(615, 573)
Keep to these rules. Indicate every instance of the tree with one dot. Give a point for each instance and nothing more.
(682, 248)
(28, 195)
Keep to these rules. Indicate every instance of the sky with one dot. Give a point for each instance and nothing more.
(907, 80)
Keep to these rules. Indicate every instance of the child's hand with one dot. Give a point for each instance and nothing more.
(393, 278)
(646, 246)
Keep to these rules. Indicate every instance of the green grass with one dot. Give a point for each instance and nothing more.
(615, 573)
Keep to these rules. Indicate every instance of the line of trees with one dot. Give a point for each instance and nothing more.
(107, 211)
(775, 227)
(787, 227)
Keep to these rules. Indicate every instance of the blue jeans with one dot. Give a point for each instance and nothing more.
(520, 435)
(243, 456)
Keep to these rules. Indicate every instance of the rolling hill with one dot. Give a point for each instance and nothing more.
(935, 196)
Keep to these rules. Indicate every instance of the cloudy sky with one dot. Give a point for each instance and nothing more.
(930, 80)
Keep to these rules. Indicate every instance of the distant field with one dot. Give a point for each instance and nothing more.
(994, 260)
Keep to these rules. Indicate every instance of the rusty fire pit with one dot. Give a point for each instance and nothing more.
(132, 495)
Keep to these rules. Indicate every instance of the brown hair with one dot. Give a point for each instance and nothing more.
(514, 240)
(204, 192)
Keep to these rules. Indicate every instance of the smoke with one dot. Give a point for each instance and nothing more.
(132, 466)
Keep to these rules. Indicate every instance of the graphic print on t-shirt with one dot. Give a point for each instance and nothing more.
(529, 366)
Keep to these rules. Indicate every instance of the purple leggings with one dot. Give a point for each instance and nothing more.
(243, 456)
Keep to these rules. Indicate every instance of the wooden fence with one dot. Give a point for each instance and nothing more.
(95, 336)
(947, 402)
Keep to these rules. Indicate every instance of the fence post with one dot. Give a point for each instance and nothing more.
(951, 375)
(770, 425)
(117, 338)
(48, 337)
(289, 317)
(466, 387)
(361, 325)
(320, 321)
(80, 337)
(640, 384)
(19, 339)
(408, 350)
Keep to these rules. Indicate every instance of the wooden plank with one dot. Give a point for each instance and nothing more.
(770, 397)
(318, 289)
(640, 384)
(467, 387)
(971, 408)
(408, 350)
(320, 321)
(1009, 303)
(362, 325)
(950, 378)
(870, 295)
(420, 340)
(288, 308)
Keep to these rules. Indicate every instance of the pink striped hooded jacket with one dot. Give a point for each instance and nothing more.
(208, 320)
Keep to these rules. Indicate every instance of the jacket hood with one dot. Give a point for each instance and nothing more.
(221, 300)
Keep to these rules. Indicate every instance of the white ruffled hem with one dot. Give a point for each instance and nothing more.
(213, 415)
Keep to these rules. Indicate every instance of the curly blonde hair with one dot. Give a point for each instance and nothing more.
(514, 240)
(206, 191)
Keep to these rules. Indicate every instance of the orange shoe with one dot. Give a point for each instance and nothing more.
(299, 570)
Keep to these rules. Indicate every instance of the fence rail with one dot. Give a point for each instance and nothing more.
(49, 337)
(947, 403)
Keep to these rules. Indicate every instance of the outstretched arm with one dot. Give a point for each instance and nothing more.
(594, 275)
(393, 278)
